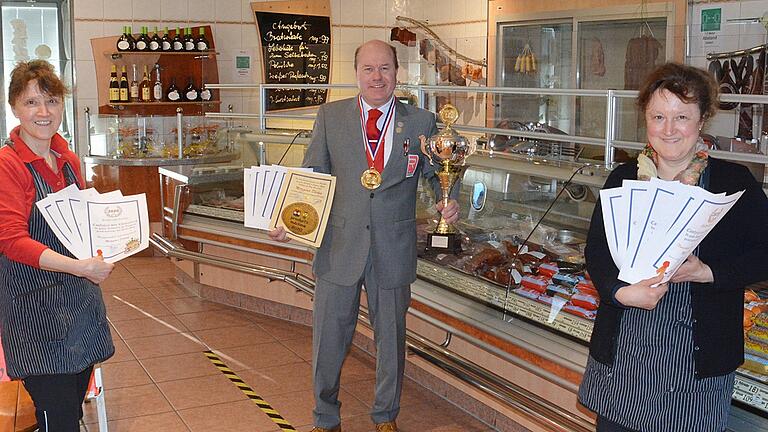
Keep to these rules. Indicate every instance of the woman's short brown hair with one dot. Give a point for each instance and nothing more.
(40, 70)
(690, 84)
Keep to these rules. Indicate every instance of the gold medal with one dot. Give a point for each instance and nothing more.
(300, 218)
(371, 179)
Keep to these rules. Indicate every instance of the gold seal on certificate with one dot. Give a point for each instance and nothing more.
(304, 205)
(300, 218)
(371, 179)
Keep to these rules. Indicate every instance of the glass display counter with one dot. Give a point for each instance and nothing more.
(523, 224)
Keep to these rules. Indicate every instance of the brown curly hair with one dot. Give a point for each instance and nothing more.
(690, 84)
(40, 70)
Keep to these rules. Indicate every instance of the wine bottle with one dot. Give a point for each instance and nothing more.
(165, 41)
(202, 41)
(154, 41)
(123, 85)
(191, 93)
(131, 39)
(172, 92)
(114, 86)
(142, 43)
(178, 41)
(205, 94)
(189, 41)
(145, 88)
(122, 43)
(157, 87)
(133, 89)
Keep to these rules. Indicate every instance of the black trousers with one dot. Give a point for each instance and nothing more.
(58, 400)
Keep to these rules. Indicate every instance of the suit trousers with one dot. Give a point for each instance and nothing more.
(334, 321)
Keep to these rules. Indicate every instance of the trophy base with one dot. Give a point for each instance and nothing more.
(443, 243)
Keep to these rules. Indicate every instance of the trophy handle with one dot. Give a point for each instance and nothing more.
(423, 140)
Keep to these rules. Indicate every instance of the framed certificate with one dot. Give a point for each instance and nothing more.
(303, 206)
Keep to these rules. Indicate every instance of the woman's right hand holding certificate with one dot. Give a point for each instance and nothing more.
(644, 294)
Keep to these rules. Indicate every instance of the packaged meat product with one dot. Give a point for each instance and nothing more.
(761, 319)
(585, 301)
(527, 293)
(756, 348)
(755, 364)
(559, 290)
(758, 334)
(750, 296)
(488, 257)
(543, 298)
(536, 283)
(565, 279)
(586, 287)
(548, 269)
(584, 313)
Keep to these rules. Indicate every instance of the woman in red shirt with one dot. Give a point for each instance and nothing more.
(52, 315)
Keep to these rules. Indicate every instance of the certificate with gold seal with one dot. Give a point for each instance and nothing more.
(303, 206)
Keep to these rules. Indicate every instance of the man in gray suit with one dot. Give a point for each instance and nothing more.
(371, 235)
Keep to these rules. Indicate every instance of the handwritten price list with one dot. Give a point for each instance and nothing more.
(296, 49)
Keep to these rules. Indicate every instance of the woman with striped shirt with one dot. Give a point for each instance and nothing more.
(52, 317)
(663, 356)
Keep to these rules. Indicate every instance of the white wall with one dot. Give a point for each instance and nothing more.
(460, 23)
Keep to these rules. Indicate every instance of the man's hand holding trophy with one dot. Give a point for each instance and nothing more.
(449, 150)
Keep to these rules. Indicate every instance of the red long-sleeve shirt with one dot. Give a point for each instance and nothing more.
(18, 194)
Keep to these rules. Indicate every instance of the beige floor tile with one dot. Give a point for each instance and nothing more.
(284, 330)
(124, 374)
(413, 393)
(233, 416)
(148, 266)
(297, 407)
(190, 304)
(201, 391)
(358, 366)
(302, 347)
(132, 296)
(148, 327)
(278, 380)
(166, 291)
(164, 345)
(165, 422)
(122, 312)
(119, 271)
(123, 282)
(260, 356)
(213, 319)
(181, 366)
(130, 402)
(229, 337)
(155, 279)
(122, 353)
(438, 417)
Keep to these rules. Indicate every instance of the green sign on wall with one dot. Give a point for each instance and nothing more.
(710, 19)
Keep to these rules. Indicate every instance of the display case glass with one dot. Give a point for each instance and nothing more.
(139, 137)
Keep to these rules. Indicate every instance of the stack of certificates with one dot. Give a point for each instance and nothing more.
(293, 198)
(89, 223)
(653, 226)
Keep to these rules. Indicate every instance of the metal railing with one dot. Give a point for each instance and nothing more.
(609, 141)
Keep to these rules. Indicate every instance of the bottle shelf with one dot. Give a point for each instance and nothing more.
(130, 104)
(201, 54)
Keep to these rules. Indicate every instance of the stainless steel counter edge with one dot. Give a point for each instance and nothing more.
(106, 160)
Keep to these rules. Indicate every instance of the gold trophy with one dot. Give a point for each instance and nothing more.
(449, 149)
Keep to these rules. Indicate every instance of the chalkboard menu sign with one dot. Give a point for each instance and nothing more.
(296, 49)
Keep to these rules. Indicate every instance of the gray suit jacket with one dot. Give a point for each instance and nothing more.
(380, 223)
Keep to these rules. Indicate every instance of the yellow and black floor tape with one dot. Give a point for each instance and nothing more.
(245, 388)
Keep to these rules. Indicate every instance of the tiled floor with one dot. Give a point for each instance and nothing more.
(159, 379)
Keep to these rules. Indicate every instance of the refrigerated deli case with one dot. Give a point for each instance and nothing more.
(520, 274)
